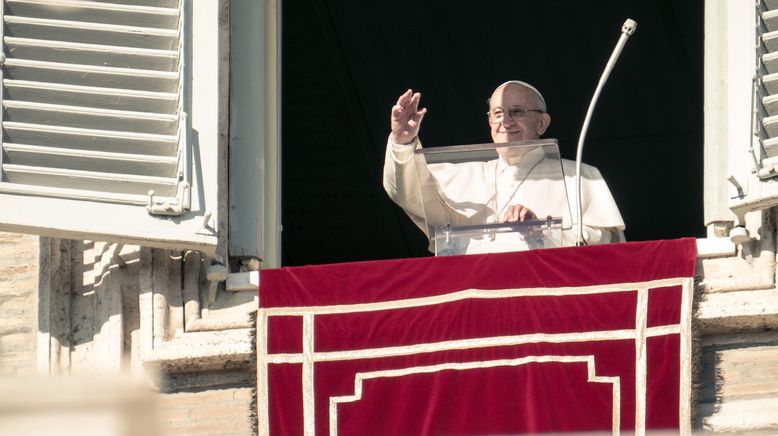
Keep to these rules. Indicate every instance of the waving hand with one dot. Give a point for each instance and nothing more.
(406, 117)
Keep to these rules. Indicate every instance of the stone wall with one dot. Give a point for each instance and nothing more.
(116, 313)
(736, 318)
(739, 390)
(18, 296)
(208, 403)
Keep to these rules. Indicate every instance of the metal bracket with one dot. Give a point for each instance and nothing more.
(206, 228)
(183, 196)
(216, 273)
(170, 209)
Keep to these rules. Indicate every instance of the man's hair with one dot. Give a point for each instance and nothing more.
(539, 100)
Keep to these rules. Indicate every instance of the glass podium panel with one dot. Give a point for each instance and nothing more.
(498, 237)
(467, 190)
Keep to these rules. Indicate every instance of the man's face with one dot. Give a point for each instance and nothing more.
(507, 123)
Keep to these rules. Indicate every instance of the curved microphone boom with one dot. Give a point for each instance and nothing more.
(626, 31)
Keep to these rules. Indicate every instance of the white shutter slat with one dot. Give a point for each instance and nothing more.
(771, 125)
(109, 98)
(158, 3)
(94, 161)
(91, 139)
(771, 104)
(87, 11)
(771, 146)
(770, 40)
(84, 117)
(770, 19)
(770, 61)
(90, 195)
(89, 180)
(87, 75)
(90, 54)
(91, 33)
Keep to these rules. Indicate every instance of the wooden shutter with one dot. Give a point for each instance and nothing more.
(767, 90)
(94, 107)
(92, 101)
(757, 187)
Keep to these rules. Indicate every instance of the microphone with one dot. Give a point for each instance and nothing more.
(626, 31)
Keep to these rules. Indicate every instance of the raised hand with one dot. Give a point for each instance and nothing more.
(406, 117)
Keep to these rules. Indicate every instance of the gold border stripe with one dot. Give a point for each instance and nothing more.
(473, 293)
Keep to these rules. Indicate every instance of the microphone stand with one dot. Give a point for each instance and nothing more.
(626, 31)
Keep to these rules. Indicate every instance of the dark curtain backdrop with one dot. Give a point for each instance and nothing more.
(345, 62)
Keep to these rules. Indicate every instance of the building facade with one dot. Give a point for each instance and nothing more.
(160, 289)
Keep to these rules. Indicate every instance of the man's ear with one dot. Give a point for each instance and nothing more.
(545, 121)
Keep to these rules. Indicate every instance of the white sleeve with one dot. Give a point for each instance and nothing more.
(401, 182)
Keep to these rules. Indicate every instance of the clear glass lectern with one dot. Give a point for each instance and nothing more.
(467, 190)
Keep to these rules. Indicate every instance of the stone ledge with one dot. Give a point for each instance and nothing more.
(202, 351)
(737, 311)
(739, 416)
(715, 247)
(243, 282)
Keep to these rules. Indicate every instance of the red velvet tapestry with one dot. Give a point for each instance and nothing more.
(581, 339)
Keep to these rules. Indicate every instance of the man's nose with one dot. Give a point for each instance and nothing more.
(508, 120)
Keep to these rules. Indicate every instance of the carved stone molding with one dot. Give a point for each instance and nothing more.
(112, 309)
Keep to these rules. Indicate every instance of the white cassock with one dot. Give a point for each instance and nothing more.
(479, 192)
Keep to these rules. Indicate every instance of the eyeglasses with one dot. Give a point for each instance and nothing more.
(496, 115)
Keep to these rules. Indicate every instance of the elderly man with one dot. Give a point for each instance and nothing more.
(517, 112)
